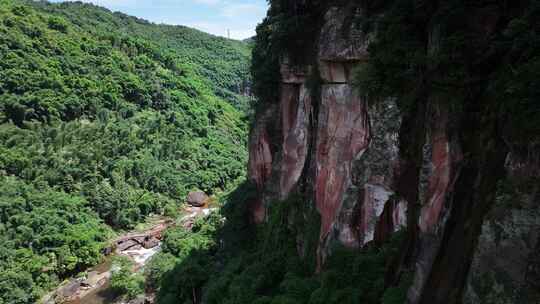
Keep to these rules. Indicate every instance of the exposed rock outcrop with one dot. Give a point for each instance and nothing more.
(432, 165)
(262, 143)
(147, 239)
(295, 114)
(505, 268)
(342, 137)
(323, 136)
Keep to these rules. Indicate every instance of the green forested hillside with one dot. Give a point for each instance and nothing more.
(221, 63)
(105, 119)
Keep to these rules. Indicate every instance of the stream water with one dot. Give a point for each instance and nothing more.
(98, 280)
(100, 295)
(103, 294)
(141, 256)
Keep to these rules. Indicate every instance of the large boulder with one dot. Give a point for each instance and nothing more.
(150, 242)
(126, 244)
(197, 198)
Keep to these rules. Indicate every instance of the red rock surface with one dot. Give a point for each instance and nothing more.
(336, 72)
(334, 127)
(295, 111)
(439, 178)
(342, 135)
(330, 139)
(260, 159)
(260, 163)
(443, 160)
(259, 169)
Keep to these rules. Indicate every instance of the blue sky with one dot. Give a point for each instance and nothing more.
(212, 16)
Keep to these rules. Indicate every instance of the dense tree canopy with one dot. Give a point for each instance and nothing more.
(105, 119)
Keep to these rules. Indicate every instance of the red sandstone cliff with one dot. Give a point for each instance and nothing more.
(338, 130)
(370, 170)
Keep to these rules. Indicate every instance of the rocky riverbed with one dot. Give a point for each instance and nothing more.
(92, 287)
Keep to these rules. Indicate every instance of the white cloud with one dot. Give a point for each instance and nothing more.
(242, 34)
(243, 9)
(240, 20)
(216, 17)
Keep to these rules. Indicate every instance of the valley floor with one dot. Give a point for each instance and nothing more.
(93, 286)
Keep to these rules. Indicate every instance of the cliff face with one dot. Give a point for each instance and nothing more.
(372, 168)
(324, 141)
(505, 267)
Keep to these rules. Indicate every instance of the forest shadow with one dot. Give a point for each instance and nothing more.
(203, 252)
(234, 261)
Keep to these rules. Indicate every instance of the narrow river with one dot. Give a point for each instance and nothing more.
(139, 246)
(95, 287)
(103, 294)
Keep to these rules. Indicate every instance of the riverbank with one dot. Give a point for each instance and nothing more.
(139, 245)
(91, 286)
